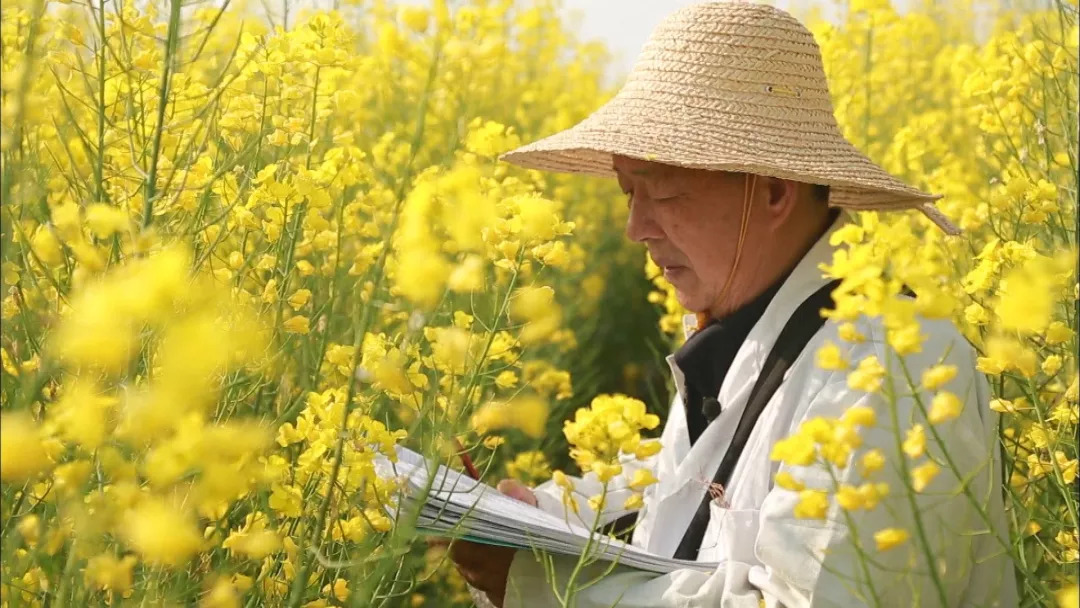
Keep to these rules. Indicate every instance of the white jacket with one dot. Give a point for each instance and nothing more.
(768, 557)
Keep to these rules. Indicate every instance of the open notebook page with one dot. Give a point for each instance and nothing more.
(458, 505)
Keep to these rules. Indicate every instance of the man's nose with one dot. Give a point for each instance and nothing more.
(640, 224)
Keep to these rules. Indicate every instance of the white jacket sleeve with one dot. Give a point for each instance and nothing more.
(776, 559)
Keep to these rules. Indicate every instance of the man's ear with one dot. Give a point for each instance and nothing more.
(782, 196)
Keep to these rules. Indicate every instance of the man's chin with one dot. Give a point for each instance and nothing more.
(690, 302)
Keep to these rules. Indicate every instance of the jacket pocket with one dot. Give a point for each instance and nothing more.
(731, 535)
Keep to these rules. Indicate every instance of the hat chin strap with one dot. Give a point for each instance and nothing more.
(750, 182)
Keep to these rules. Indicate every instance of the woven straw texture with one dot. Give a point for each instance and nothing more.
(730, 86)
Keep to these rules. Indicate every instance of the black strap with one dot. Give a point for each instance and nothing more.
(622, 528)
(793, 338)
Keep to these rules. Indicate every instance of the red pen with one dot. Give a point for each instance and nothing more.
(465, 460)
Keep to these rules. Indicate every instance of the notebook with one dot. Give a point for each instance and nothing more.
(458, 506)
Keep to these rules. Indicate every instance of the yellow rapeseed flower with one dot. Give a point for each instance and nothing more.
(890, 538)
(872, 493)
(1004, 354)
(529, 465)
(1068, 596)
(562, 480)
(794, 450)
(945, 406)
(922, 475)
(223, 594)
(29, 528)
(538, 219)
(938, 375)
(829, 357)
(339, 589)
(82, 414)
(161, 534)
(1052, 365)
(526, 413)
(297, 324)
(606, 471)
(468, 276)
(813, 504)
(848, 497)
(414, 17)
(22, 456)
(253, 544)
(109, 573)
(871, 462)
(537, 306)
(1058, 333)
(106, 220)
(787, 481)
(867, 376)
(642, 479)
(286, 500)
(849, 333)
(597, 502)
(1025, 302)
(299, 298)
(506, 379)
(915, 441)
(46, 247)
(860, 415)
(420, 277)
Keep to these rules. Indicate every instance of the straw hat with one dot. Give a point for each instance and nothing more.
(729, 86)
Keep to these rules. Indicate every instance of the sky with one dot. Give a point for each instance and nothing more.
(624, 25)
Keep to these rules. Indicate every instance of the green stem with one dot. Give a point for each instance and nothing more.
(583, 559)
(1060, 485)
(965, 487)
(492, 332)
(171, 44)
(314, 112)
(909, 493)
(65, 576)
(863, 557)
(99, 164)
(361, 320)
(14, 144)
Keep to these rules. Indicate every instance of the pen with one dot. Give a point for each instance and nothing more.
(465, 460)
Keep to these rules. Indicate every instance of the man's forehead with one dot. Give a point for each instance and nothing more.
(644, 168)
(625, 166)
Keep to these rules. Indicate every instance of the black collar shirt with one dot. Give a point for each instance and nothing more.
(708, 354)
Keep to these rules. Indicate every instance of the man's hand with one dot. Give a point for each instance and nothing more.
(486, 566)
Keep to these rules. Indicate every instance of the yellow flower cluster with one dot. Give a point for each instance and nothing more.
(136, 455)
(228, 225)
(831, 442)
(531, 466)
(222, 226)
(601, 437)
(1009, 282)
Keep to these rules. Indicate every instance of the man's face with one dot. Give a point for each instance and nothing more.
(689, 220)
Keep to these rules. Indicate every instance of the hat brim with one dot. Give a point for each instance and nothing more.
(678, 134)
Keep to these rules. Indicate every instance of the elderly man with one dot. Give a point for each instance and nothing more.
(724, 141)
